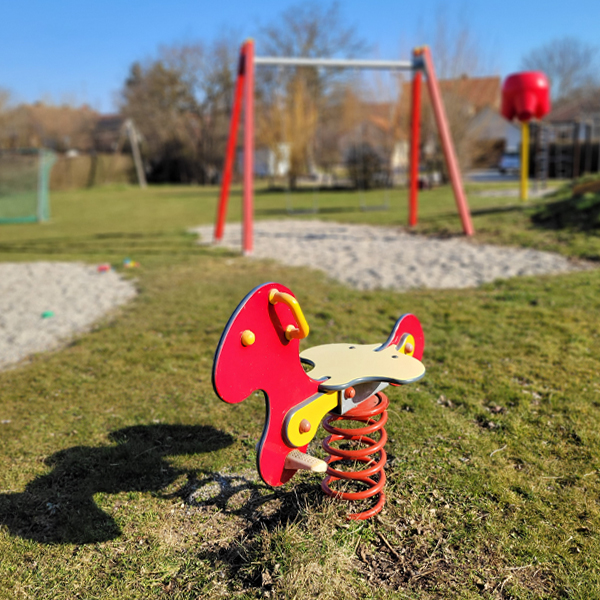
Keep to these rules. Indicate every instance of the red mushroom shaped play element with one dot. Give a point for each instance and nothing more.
(525, 96)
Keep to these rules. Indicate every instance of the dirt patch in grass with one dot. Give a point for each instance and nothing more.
(297, 543)
(418, 554)
(267, 542)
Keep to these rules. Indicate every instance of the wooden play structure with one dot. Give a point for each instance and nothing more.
(259, 350)
(421, 62)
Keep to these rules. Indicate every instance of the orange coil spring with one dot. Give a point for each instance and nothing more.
(365, 412)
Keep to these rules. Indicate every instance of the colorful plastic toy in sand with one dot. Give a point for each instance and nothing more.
(259, 350)
(130, 264)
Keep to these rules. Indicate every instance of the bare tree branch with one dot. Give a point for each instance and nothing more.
(294, 104)
(570, 63)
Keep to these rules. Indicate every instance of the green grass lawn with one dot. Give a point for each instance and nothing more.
(113, 450)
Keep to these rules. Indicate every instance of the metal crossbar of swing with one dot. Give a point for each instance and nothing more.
(244, 89)
(337, 63)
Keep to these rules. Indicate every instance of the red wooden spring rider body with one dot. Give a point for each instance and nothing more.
(259, 350)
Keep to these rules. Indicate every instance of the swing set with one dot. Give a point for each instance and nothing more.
(420, 63)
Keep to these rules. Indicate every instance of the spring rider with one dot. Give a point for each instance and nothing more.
(525, 96)
(259, 350)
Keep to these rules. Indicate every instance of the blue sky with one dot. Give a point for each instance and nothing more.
(67, 51)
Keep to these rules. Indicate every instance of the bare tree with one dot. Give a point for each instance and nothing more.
(459, 56)
(160, 100)
(181, 102)
(5, 99)
(298, 100)
(570, 63)
(310, 29)
(45, 125)
(218, 80)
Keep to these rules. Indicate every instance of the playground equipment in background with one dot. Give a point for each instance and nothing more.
(259, 350)
(421, 62)
(129, 130)
(564, 149)
(525, 96)
(25, 185)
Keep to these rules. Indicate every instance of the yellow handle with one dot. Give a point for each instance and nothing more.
(291, 332)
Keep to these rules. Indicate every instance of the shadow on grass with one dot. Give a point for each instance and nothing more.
(59, 507)
(495, 210)
(579, 213)
(244, 513)
(245, 495)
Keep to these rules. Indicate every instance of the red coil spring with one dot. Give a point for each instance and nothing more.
(365, 412)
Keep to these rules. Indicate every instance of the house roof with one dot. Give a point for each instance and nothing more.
(475, 92)
(392, 118)
(381, 114)
(576, 109)
(110, 122)
(489, 124)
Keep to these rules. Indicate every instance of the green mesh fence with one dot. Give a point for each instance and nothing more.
(24, 185)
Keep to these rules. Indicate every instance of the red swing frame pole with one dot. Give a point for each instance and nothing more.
(248, 207)
(413, 204)
(447, 145)
(231, 144)
(244, 94)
